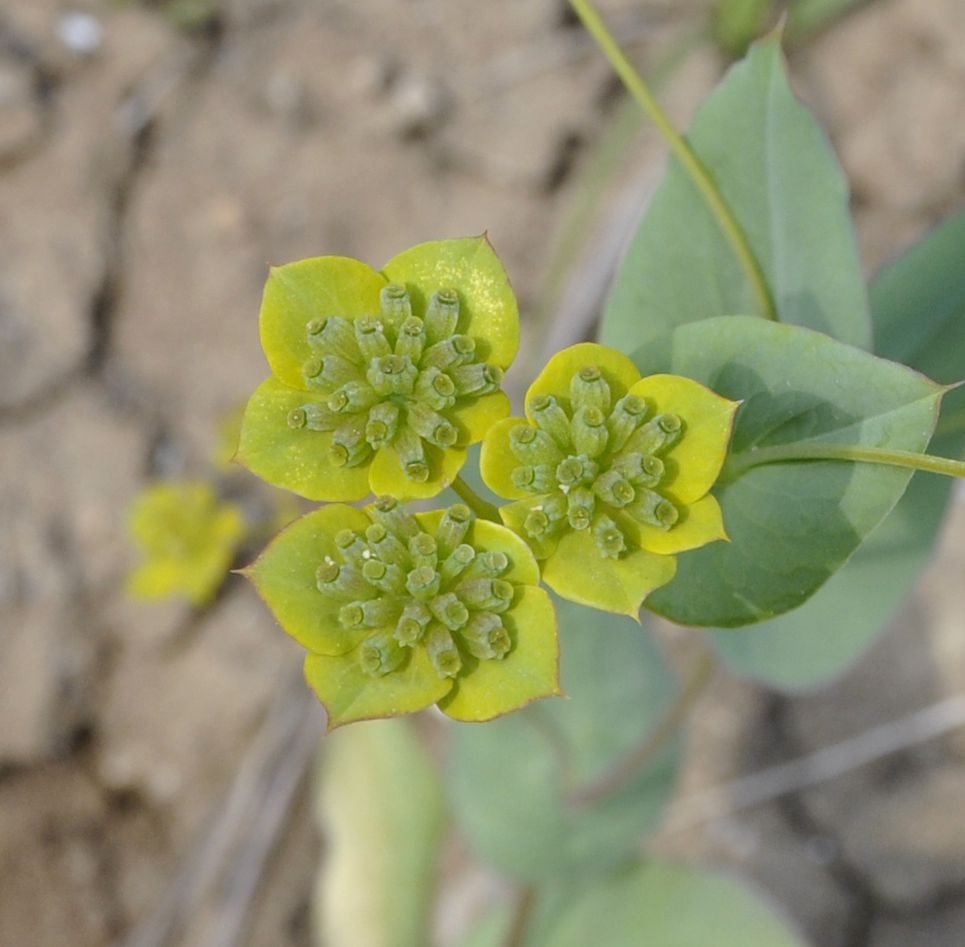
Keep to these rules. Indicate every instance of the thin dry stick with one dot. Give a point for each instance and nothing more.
(625, 769)
(819, 767)
(238, 813)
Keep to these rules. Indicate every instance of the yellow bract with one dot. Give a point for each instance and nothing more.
(610, 474)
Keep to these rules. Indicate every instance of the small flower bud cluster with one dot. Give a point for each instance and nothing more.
(392, 379)
(414, 589)
(595, 463)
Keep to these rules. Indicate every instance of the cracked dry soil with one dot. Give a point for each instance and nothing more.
(144, 183)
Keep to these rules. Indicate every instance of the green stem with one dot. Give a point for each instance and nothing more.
(482, 509)
(613, 780)
(865, 455)
(691, 164)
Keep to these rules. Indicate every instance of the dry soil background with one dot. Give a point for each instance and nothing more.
(146, 176)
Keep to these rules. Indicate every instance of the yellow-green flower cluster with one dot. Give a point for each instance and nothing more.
(380, 380)
(187, 539)
(400, 611)
(610, 474)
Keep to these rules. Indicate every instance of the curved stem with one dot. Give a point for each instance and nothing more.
(625, 769)
(521, 915)
(688, 159)
(865, 455)
(482, 509)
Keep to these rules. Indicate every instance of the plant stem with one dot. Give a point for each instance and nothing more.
(625, 769)
(688, 159)
(521, 914)
(865, 455)
(482, 509)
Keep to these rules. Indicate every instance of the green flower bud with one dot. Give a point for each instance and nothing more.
(442, 651)
(393, 515)
(657, 435)
(530, 445)
(609, 538)
(457, 562)
(412, 339)
(395, 304)
(489, 564)
(430, 425)
(382, 424)
(329, 371)
(352, 547)
(575, 470)
(627, 415)
(349, 447)
(613, 488)
(423, 583)
(486, 637)
(552, 419)
(442, 315)
(453, 527)
(351, 397)
(589, 389)
(387, 546)
(449, 353)
(370, 338)
(640, 469)
(412, 624)
(386, 577)
(649, 507)
(589, 432)
(333, 334)
(392, 375)
(492, 595)
(450, 611)
(316, 417)
(580, 506)
(476, 379)
(538, 479)
(412, 455)
(436, 389)
(380, 655)
(340, 581)
(423, 550)
(380, 612)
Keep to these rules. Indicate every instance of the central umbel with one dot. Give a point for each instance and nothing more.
(392, 380)
(412, 589)
(596, 465)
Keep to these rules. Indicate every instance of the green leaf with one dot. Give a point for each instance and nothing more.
(653, 903)
(667, 905)
(780, 178)
(511, 780)
(792, 525)
(918, 304)
(380, 808)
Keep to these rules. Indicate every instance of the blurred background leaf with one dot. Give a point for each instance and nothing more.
(511, 781)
